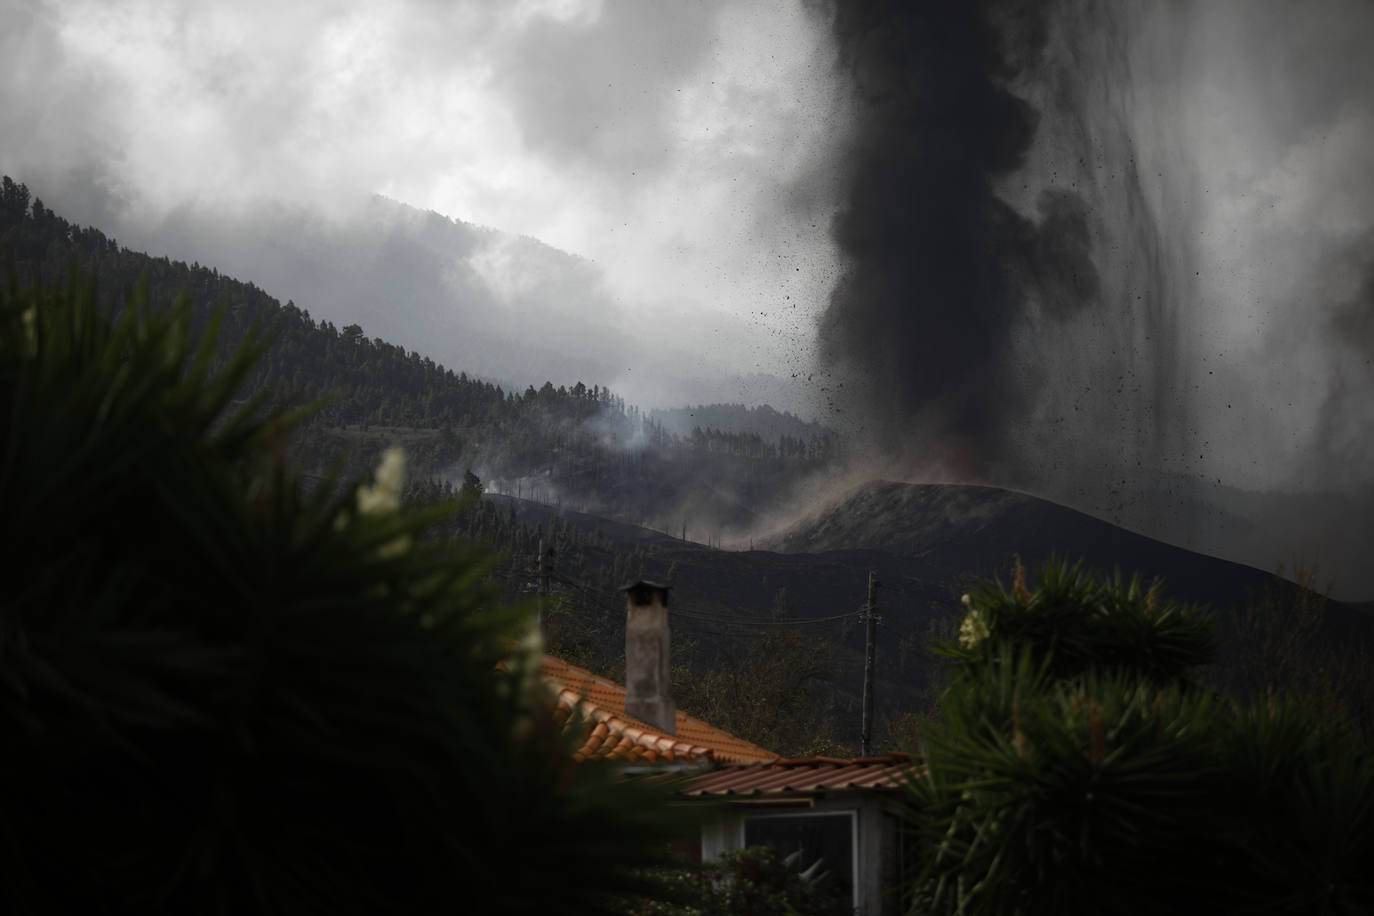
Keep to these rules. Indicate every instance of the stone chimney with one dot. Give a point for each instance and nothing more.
(646, 656)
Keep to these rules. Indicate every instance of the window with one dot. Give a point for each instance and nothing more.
(824, 838)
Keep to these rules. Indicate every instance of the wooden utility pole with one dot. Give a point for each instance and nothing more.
(543, 583)
(870, 651)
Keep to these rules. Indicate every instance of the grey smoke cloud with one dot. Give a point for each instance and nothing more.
(1117, 254)
(601, 92)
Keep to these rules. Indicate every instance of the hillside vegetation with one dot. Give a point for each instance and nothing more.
(570, 443)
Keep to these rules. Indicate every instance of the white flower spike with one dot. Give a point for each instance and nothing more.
(384, 494)
(974, 629)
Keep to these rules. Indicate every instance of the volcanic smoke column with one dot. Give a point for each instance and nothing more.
(922, 316)
(970, 262)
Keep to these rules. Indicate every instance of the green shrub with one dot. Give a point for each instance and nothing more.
(1075, 620)
(1073, 785)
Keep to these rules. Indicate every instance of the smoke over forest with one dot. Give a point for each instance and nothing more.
(1109, 252)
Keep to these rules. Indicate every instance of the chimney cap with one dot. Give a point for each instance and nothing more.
(644, 593)
(643, 583)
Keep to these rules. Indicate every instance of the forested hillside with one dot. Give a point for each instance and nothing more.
(763, 422)
(568, 443)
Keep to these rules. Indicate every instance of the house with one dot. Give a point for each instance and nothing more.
(847, 813)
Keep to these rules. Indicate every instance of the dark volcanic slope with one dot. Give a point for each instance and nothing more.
(978, 530)
(927, 543)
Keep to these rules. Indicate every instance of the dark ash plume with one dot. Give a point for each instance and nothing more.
(941, 269)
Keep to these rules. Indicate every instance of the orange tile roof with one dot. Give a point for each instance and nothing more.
(812, 776)
(613, 733)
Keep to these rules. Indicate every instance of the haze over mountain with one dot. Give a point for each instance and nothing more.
(500, 306)
(669, 147)
(762, 420)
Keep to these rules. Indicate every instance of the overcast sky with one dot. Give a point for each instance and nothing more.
(682, 146)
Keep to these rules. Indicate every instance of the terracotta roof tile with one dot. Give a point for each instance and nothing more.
(812, 776)
(621, 736)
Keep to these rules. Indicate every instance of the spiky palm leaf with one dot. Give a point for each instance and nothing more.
(1073, 769)
(223, 691)
(1077, 620)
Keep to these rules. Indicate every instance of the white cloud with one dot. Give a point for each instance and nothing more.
(666, 142)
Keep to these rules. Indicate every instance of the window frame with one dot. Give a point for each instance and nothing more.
(851, 813)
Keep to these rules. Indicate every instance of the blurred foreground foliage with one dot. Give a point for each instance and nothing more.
(748, 882)
(225, 690)
(1077, 765)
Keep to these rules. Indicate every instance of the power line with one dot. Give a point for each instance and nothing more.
(870, 652)
(597, 597)
(752, 622)
(717, 626)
